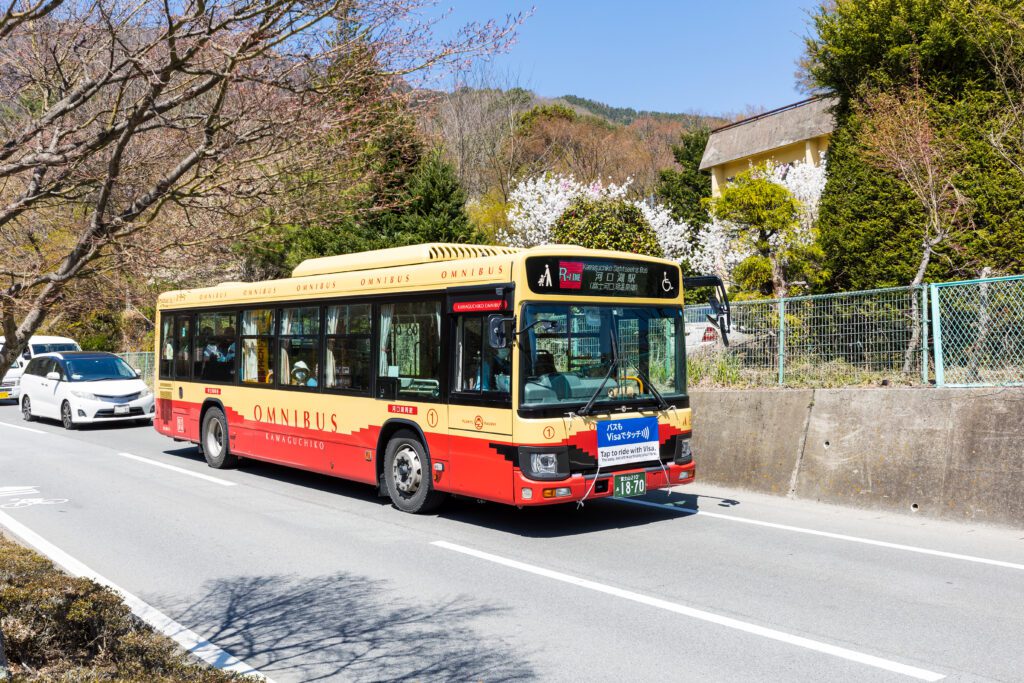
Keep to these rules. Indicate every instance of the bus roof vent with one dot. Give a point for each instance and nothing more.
(397, 256)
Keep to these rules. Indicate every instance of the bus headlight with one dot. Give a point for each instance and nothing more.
(545, 463)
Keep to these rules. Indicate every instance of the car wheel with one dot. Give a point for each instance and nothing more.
(66, 417)
(216, 443)
(26, 410)
(407, 475)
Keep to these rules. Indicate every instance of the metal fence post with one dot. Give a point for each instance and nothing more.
(940, 379)
(782, 341)
(924, 334)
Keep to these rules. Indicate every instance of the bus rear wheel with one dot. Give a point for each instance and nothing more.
(407, 474)
(215, 441)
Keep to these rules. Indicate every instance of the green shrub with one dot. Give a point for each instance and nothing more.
(613, 224)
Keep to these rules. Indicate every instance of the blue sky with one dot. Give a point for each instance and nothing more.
(663, 55)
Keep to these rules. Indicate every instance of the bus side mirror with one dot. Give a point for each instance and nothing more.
(498, 331)
(721, 314)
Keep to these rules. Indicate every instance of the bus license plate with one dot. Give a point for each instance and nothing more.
(122, 410)
(628, 485)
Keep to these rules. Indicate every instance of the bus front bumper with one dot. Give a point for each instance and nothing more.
(578, 487)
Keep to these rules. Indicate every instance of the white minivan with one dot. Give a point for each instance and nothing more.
(84, 387)
(11, 386)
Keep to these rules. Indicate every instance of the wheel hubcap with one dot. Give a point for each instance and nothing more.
(26, 407)
(66, 413)
(215, 438)
(407, 470)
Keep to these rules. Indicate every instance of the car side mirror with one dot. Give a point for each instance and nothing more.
(498, 331)
(26, 354)
(55, 376)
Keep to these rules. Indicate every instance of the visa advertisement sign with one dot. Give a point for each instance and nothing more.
(621, 442)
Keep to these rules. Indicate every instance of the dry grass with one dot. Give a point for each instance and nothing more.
(60, 628)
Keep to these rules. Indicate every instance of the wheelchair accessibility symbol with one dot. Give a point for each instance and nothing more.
(666, 284)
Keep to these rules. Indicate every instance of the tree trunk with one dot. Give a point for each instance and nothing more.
(780, 288)
(915, 312)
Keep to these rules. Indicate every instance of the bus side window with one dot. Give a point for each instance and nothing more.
(409, 362)
(258, 339)
(347, 359)
(183, 347)
(300, 347)
(166, 346)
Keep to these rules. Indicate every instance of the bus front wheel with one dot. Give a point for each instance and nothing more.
(407, 473)
(215, 442)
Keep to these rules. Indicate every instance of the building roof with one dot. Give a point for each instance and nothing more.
(773, 129)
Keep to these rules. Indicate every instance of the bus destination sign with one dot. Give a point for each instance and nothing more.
(602, 277)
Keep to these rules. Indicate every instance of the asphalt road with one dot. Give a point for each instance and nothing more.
(305, 577)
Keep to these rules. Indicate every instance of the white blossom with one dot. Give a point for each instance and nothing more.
(718, 252)
(673, 236)
(536, 203)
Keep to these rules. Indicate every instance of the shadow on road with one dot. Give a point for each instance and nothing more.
(350, 627)
(553, 521)
(549, 521)
(297, 477)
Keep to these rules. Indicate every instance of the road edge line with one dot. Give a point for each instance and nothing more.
(175, 468)
(191, 641)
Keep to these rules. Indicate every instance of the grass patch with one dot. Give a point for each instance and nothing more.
(59, 628)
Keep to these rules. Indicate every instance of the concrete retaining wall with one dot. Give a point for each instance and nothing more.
(953, 453)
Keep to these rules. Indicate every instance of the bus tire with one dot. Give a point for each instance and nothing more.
(215, 442)
(407, 475)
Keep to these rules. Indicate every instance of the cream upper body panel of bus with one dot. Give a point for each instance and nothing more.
(403, 270)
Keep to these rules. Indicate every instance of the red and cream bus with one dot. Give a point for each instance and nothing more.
(526, 377)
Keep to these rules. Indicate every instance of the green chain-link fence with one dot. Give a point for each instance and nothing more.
(979, 332)
(141, 361)
(868, 337)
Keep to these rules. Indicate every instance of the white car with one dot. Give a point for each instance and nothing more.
(11, 385)
(84, 387)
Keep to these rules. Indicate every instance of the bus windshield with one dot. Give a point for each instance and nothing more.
(568, 351)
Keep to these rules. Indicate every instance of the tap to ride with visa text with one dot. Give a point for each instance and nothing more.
(521, 376)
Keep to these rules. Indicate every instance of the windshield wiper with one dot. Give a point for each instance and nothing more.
(100, 379)
(662, 403)
(585, 410)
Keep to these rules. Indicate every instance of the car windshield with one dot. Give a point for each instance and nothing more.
(54, 347)
(98, 368)
(567, 352)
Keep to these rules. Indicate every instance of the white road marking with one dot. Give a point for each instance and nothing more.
(24, 429)
(9, 491)
(728, 622)
(179, 470)
(186, 638)
(828, 534)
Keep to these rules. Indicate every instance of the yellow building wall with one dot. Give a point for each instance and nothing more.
(809, 151)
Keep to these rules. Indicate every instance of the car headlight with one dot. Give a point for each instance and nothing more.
(83, 394)
(546, 463)
(146, 391)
